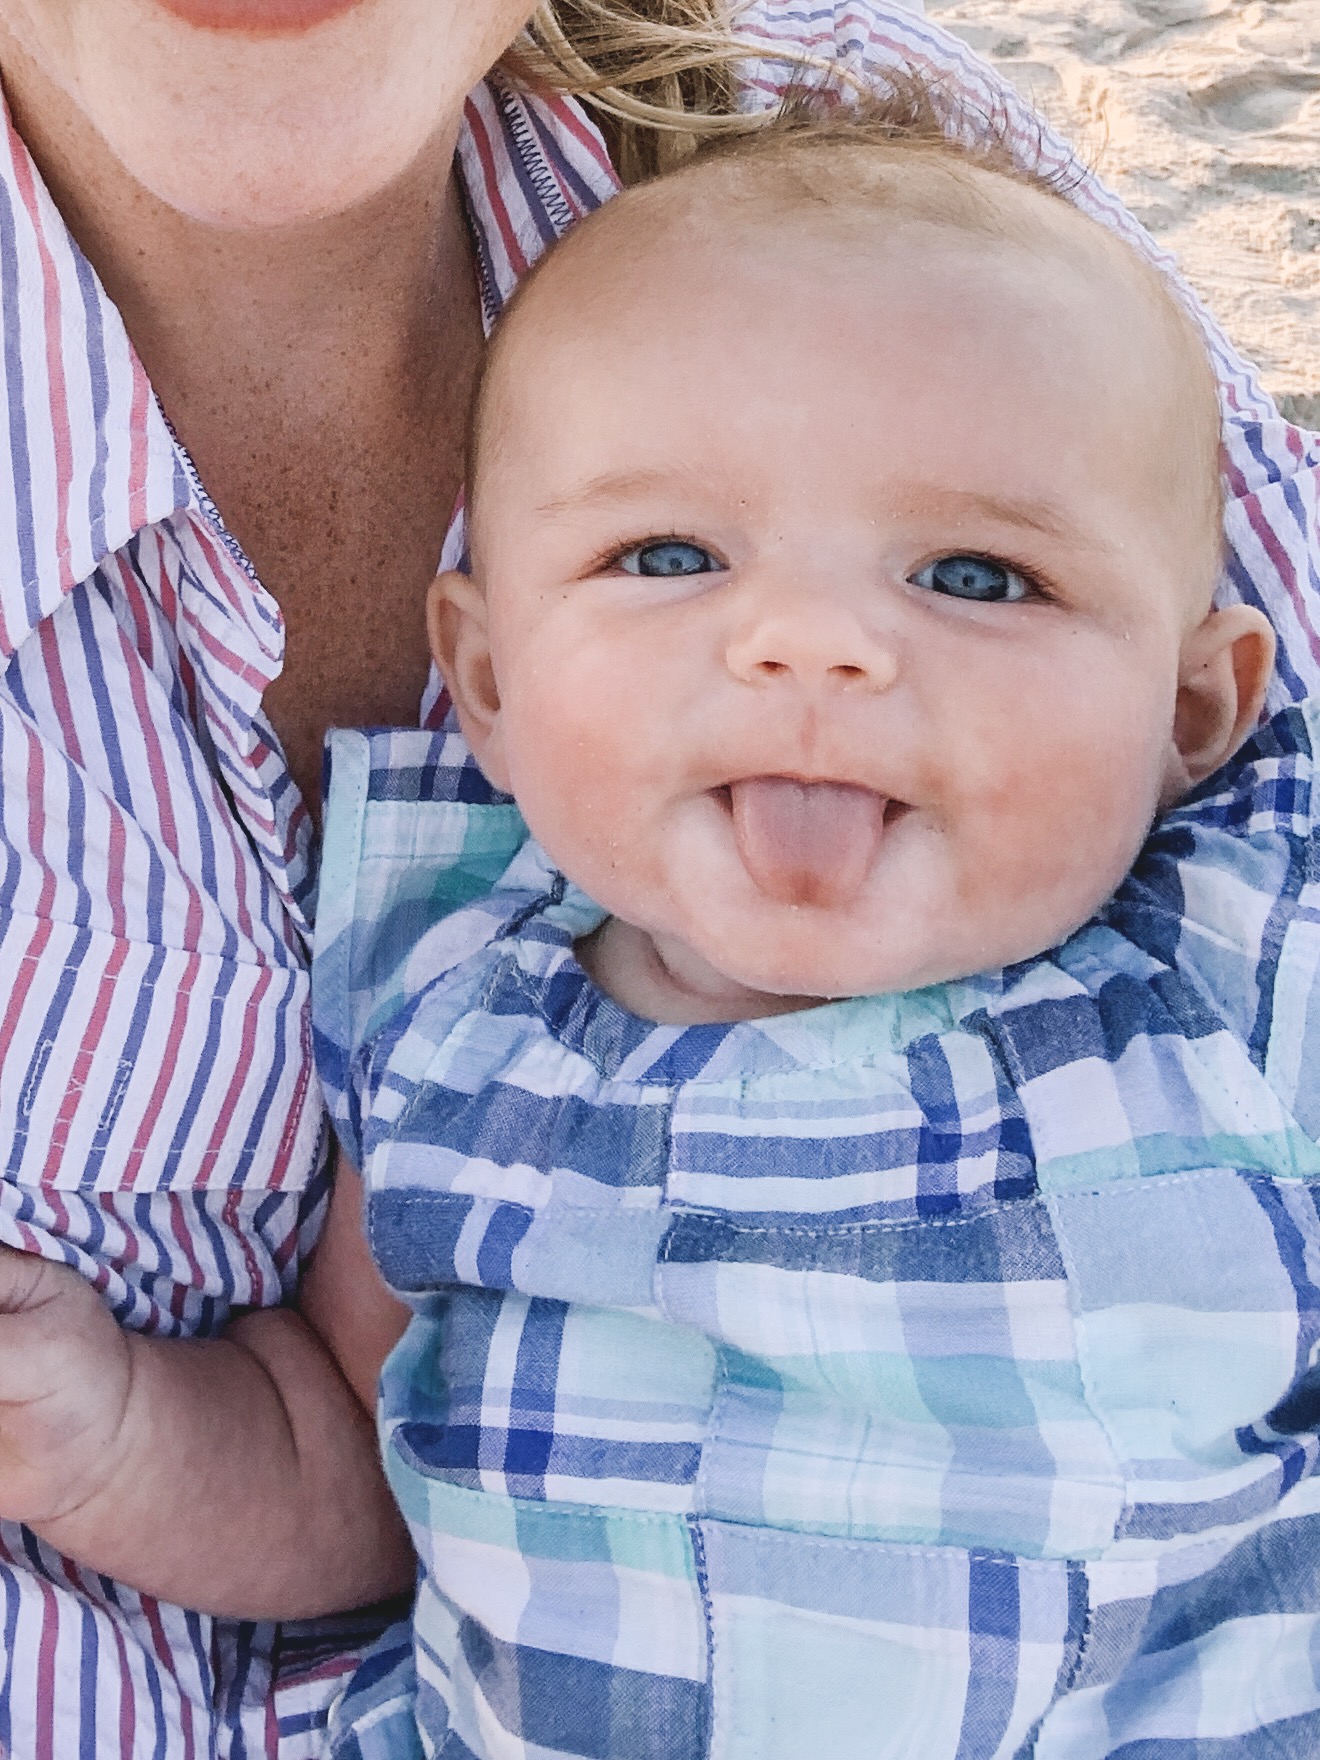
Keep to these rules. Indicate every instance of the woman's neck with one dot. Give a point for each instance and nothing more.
(282, 325)
(320, 377)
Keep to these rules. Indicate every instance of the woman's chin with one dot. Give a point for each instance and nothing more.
(282, 166)
(259, 114)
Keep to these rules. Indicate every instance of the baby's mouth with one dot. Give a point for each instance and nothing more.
(804, 842)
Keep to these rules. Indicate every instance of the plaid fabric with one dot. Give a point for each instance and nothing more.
(930, 1375)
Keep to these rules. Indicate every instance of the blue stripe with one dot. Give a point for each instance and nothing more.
(279, 1052)
(1293, 1738)
(994, 1631)
(565, 172)
(15, 394)
(1250, 594)
(588, 1709)
(131, 1047)
(9, 1587)
(543, 198)
(1011, 1243)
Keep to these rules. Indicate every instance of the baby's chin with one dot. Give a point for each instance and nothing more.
(829, 960)
(805, 965)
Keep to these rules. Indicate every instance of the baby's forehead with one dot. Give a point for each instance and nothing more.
(806, 211)
(784, 227)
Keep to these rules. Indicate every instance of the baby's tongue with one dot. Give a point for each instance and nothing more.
(806, 842)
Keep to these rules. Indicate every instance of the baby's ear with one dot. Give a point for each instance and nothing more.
(457, 622)
(1223, 675)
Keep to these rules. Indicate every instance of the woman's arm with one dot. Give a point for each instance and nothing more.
(237, 1475)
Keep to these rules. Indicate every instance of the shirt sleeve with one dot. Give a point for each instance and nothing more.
(413, 833)
(161, 1119)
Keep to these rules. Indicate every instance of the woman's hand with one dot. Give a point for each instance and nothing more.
(65, 1382)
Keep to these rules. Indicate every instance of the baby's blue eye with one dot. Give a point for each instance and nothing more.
(668, 556)
(971, 577)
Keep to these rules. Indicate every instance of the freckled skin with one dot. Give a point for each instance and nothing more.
(825, 425)
(251, 114)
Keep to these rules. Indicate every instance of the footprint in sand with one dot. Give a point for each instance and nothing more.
(1258, 100)
(1167, 15)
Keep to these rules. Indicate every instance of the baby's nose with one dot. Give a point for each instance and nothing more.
(823, 647)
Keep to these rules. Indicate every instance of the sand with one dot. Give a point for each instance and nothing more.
(1204, 115)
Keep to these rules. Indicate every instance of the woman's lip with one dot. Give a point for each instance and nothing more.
(257, 18)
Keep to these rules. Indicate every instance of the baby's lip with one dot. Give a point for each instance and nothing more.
(807, 840)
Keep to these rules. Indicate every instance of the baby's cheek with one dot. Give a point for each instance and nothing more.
(1061, 823)
(577, 779)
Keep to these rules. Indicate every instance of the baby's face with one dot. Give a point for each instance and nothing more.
(835, 607)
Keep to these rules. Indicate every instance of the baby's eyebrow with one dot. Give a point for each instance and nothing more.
(1033, 514)
(616, 486)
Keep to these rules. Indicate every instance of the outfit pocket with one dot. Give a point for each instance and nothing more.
(911, 1382)
(1197, 1319)
(557, 1628)
(860, 1649)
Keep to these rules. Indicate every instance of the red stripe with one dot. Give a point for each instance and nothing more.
(127, 1707)
(165, 1653)
(49, 643)
(61, 435)
(183, 1235)
(236, 587)
(169, 1062)
(114, 863)
(1237, 482)
(158, 771)
(244, 1057)
(1279, 557)
(29, 966)
(45, 1708)
(76, 1080)
(233, 1219)
(572, 121)
(435, 718)
(139, 609)
(293, 1122)
(36, 793)
(162, 598)
(238, 669)
(481, 141)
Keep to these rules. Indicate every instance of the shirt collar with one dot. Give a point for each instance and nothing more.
(532, 164)
(92, 457)
(92, 460)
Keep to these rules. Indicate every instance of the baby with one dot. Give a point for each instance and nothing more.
(852, 1177)
(842, 1327)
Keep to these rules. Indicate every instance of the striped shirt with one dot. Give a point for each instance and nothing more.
(163, 1122)
(157, 1092)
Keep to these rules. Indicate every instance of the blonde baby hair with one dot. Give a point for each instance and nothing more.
(913, 149)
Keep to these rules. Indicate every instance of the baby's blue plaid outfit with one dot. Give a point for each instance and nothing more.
(932, 1375)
